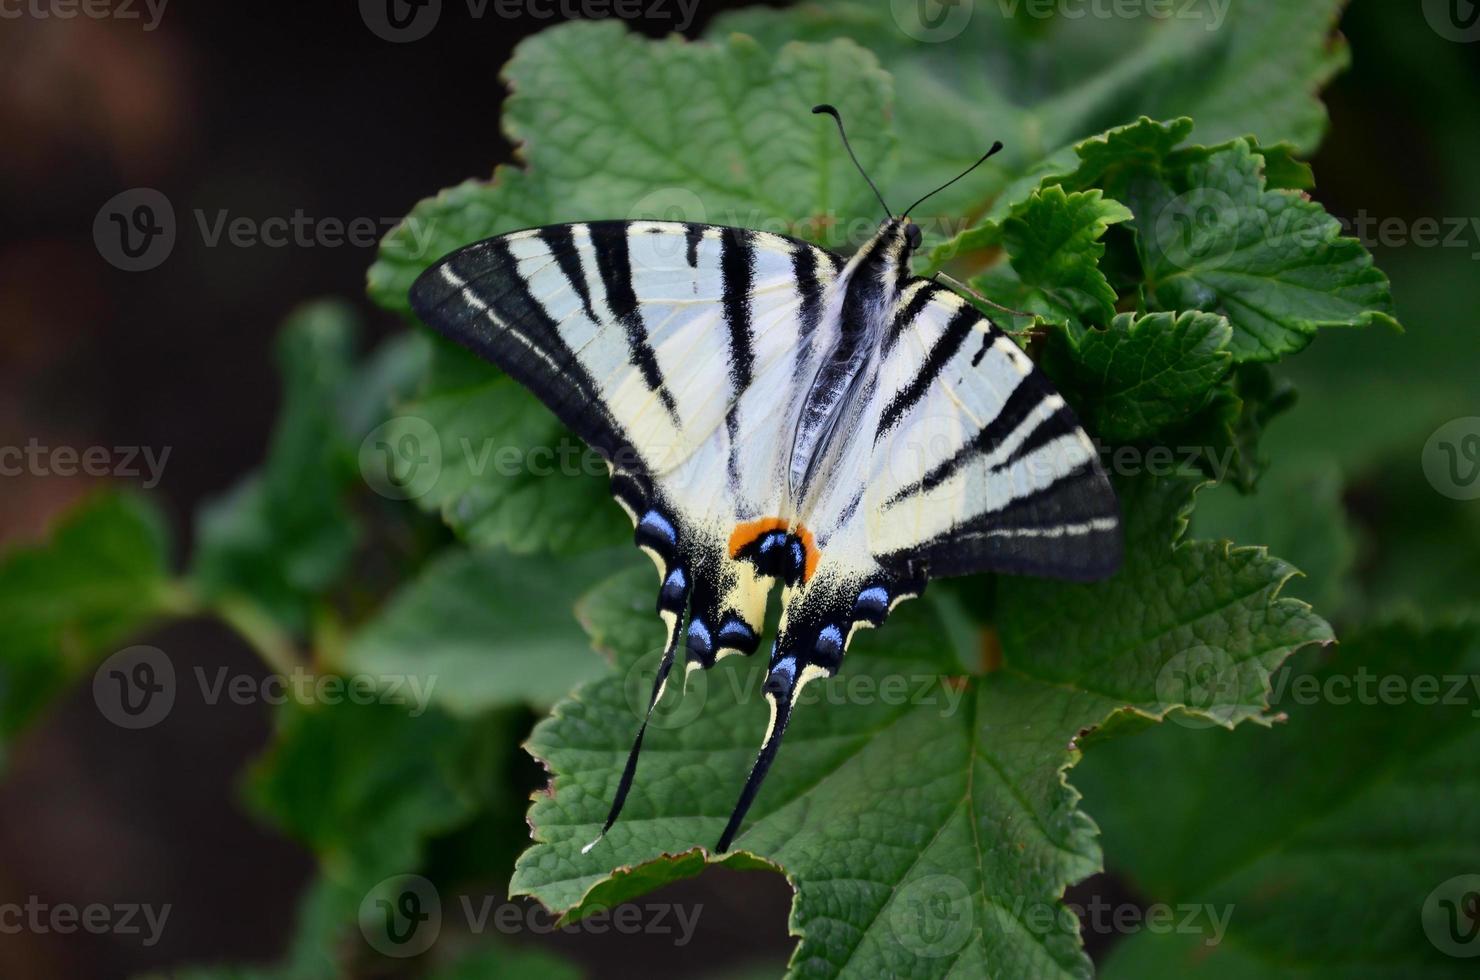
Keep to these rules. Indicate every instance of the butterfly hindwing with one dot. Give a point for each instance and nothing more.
(979, 465)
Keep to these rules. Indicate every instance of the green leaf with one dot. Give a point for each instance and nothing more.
(460, 215)
(477, 448)
(1053, 242)
(484, 629)
(364, 784)
(101, 576)
(1330, 838)
(286, 533)
(1299, 513)
(1226, 434)
(993, 71)
(956, 860)
(615, 126)
(1146, 374)
(1214, 238)
(723, 128)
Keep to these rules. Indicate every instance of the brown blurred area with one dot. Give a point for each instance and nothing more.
(262, 112)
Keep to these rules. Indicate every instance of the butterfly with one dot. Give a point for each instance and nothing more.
(772, 411)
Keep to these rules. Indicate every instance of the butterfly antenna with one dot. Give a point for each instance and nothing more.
(831, 111)
(996, 148)
(630, 770)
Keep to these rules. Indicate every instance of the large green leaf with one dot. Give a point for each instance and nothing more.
(614, 126)
(488, 629)
(1053, 242)
(1334, 840)
(1145, 374)
(1213, 234)
(953, 862)
(502, 471)
(1214, 237)
(993, 71)
(102, 575)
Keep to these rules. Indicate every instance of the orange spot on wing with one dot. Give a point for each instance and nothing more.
(809, 545)
(746, 532)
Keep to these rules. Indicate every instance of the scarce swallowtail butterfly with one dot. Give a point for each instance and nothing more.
(769, 410)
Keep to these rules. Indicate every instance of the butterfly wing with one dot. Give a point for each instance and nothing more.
(680, 353)
(959, 457)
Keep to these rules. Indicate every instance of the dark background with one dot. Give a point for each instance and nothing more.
(263, 112)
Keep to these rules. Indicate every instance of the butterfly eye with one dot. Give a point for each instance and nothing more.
(912, 236)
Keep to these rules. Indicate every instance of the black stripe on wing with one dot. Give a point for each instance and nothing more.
(945, 348)
(477, 298)
(1069, 529)
(614, 264)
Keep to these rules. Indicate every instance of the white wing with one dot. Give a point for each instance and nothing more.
(679, 352)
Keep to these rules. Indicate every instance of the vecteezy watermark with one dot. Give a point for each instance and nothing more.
(1451, 916)
(402, 21)
(943, 20)
(1451, 458)
(686, 693)
(137, 688)
(127, 462)
(97, 918)
(1454, 20)
(1102, 918)
(934, 916)
(1204, 681)
(150, 11)
(1367, 688)
(402, 916)
(136, 230)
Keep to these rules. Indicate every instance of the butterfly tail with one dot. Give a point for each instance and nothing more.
(781, 690)
(671, 602)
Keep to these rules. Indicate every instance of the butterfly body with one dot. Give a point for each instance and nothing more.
(771, 412)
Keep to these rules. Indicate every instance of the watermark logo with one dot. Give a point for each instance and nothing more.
(1451, 916)
(64, 919)
(126, 462)
(1451, 458)
(932, 916)
(1202, 678)
(138, 688)
(134, 230)
(400, 21)
(135, 688)
(665, 204)
(1454, 20)
(401, 916)
(402, 458)
(1196, 230)
(150, 11)
(683, 695)
(931, 21)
